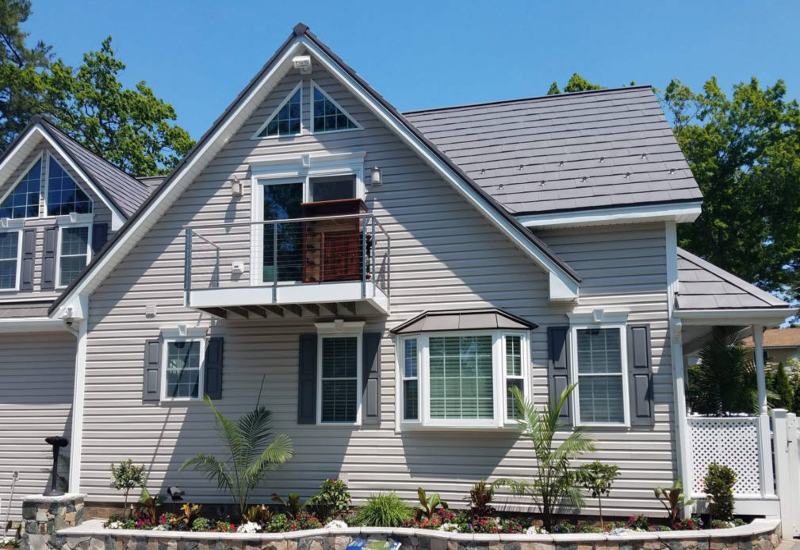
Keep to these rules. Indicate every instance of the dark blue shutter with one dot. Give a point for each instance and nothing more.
(99, 237)
(370, 402)
(28, 257)
(151, 388)
(307, 383)
(49, 260)
(640, 376)
(558, 367)
(213, 366)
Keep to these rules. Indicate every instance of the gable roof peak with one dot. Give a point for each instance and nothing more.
(300, 29)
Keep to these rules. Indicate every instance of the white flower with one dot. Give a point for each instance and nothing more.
(336, 524)
(449, 527)
(533, 530)
(620, 531)
(161, 527)
(249, 527)
(115, 525)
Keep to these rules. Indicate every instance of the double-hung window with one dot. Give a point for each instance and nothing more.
(10, 249)
(462, 379)
(182, 371)
(74, 246)
(339, 358)
(600, 372)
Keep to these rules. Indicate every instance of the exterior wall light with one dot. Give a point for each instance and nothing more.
(376, 178)
(237, 187)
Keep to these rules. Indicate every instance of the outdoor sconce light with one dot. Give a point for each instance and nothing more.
(376, 178)
(237, 187)
(57, 442)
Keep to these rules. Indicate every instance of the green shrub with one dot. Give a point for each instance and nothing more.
(597, 478)
(429, 505)
(201, 524)
(383, 510)
(332, 499)
(719, 482)
(127, 476)
(480, 499)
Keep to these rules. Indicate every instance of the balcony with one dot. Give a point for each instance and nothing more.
(314, 266)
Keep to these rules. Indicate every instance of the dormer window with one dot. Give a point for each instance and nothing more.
(23, 202)
(286, 119)
(329, 116)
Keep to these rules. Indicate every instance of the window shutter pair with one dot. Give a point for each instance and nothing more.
(151, 389)
(640, 376)
(99, 239)
(370, 379)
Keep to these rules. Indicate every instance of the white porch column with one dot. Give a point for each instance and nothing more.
(682, 434)
(764, 435)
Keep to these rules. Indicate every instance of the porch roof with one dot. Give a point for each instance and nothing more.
(705, 290)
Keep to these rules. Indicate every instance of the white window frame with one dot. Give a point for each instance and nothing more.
(281, 105)
(45, 188)
(575, 398)
(294, 169)
(403, 378)
(523, 375)
(61, 228)
(500, 414)
(165, 341)
(340, 329)
(20, 235)
(315, 86)
(42, 182)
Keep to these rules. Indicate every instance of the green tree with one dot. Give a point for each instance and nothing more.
(744, 152)
(131, 128)
(553, 481)
(21, 69)
(576, 83)
(724, 382)
(781, 389)
(597, 478)
(127, 476)
(252, 452)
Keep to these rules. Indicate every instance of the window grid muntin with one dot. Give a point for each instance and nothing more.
(9, 259)
(410, 377)
(23, 200)
(595, 376)
(288, 119)
(183, 362)
(327, 116)
(64, 195)
(72, 256)
(338, 377)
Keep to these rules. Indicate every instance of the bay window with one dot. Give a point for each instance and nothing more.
(462, 379)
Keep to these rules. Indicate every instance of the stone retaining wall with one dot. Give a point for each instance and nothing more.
(43, 517)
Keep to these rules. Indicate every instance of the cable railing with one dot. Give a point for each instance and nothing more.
(298, 251)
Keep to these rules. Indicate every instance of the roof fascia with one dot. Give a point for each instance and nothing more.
(563, 285)
(735, 317)
(679, 213)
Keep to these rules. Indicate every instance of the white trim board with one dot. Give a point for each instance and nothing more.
(31, 324)
(680, 213)
(735, 317)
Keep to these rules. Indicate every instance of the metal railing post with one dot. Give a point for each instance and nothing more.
(275, 263)
(374, 254)
(363, 262)
(187, 266)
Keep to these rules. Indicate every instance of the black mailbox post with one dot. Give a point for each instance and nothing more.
(57, 442)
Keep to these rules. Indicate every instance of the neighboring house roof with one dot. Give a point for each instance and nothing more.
(242, 106)
(465, 319)
(605, 148)
(704, 286)
(778, 338)
(125, 191)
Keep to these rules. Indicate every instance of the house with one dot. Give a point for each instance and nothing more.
(781, 345)
(381, 281)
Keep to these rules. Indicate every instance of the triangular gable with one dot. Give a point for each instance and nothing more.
(564, 282)
(287, 118)
(327, 115)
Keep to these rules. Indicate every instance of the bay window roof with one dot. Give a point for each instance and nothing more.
(464, 319)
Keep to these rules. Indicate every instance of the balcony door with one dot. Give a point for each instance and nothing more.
(283, 242)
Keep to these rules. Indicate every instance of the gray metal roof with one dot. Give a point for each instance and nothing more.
(565, 152)
(464, 319)
(702, 285)
(124, 191)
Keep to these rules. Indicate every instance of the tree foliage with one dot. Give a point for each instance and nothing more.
(576, 83)
(744, 152)
(553, 482)
(130, 127)
(21, 70)
(781, 390)
(724, 382)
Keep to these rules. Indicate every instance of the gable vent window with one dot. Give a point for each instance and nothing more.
(328, 116)
(286, 121)
(63, 194)
(23, 202)
(9, 259)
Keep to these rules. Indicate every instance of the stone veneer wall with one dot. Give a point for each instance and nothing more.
(43, 515)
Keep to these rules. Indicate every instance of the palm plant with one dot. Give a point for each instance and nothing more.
(724, 381)
(252, 452)
(553, 482)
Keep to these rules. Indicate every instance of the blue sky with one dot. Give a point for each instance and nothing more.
(198, 54)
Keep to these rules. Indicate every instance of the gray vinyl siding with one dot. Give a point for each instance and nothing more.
(36, 381)
(102, 214)
(444, 255)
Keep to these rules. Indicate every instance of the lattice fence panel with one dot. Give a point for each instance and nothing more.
(732, 441)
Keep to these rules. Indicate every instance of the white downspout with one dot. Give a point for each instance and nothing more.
(682, 435)
(76, 439)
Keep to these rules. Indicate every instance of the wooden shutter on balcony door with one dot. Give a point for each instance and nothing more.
(558, 367)
(307, 382)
